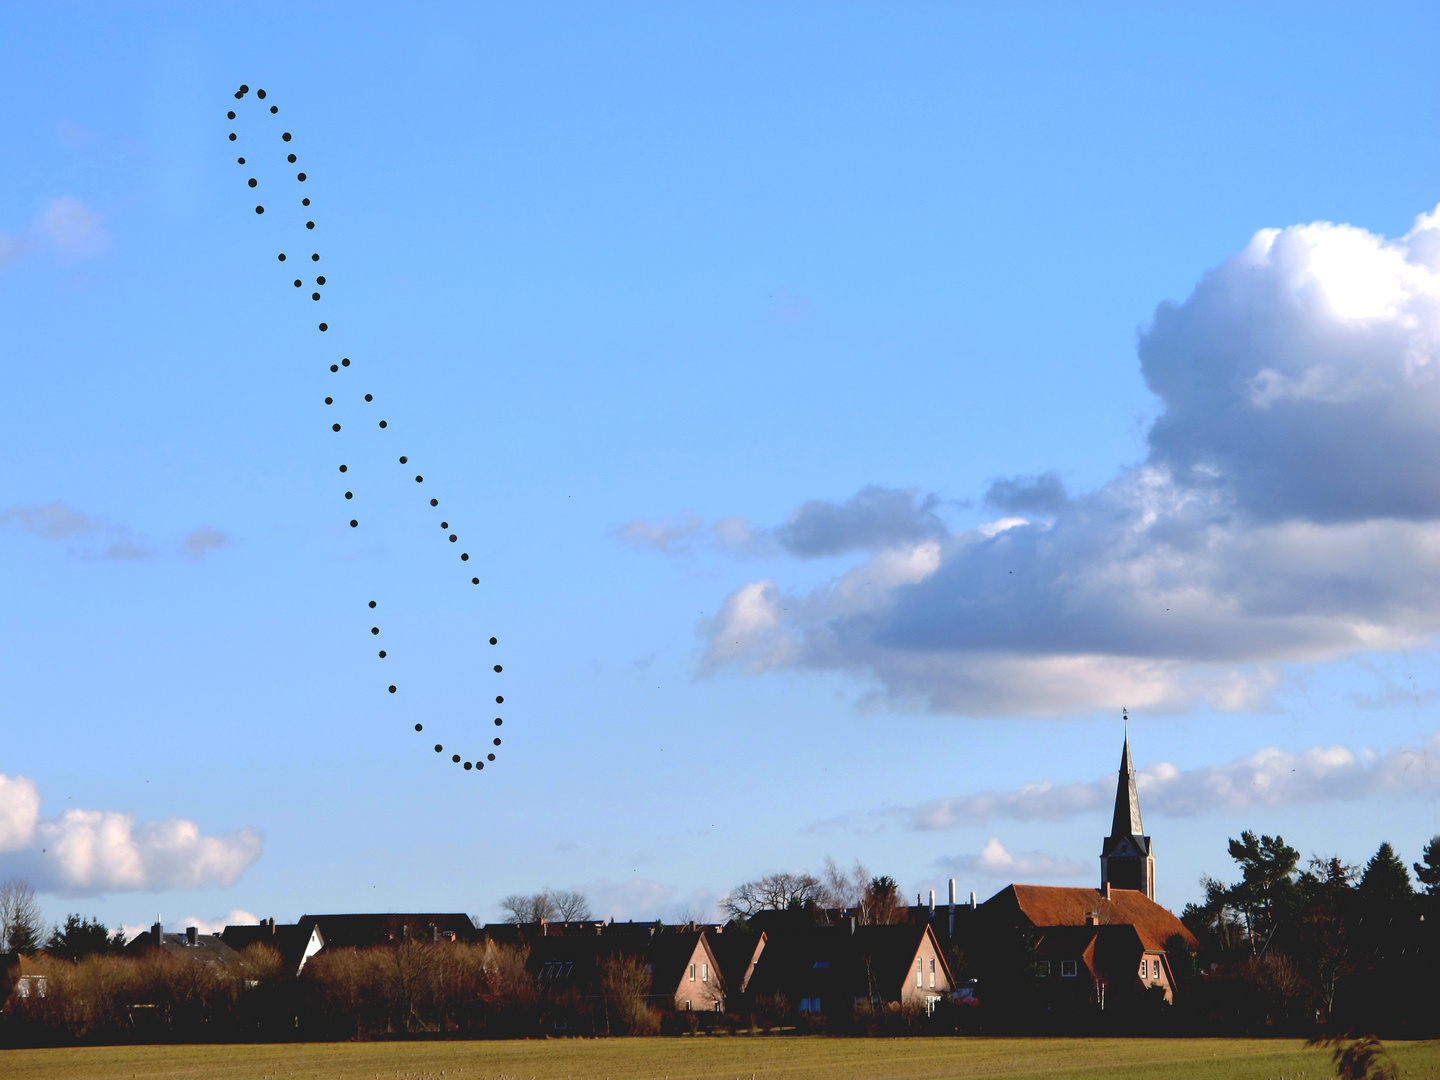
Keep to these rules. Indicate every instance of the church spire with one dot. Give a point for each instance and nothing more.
(1127, 800)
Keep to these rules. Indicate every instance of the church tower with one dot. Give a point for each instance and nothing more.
(1127, 860)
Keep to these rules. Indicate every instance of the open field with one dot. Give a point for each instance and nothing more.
(733, 1058)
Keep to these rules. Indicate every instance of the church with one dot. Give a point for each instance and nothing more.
(1102, 944)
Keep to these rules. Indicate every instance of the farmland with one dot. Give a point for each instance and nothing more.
(718, 1058)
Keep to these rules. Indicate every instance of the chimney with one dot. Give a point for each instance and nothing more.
(159, 931)
(1105, 890)
(972, 899)
(952, 907)
(272, 924)
(932, 904)
(544, 927)
(434, 933)
(1092, 918)
(852, 924)
(192, 935)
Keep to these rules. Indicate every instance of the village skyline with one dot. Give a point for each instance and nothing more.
(843, 416)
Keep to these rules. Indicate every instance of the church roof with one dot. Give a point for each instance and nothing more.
(1127, 800)
(1050, 905)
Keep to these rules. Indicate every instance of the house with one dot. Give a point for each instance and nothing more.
(832, 969)
(389, 928)
(191, 945)
(737, 952)
(295, 943)
(684, 972)
(20, 977)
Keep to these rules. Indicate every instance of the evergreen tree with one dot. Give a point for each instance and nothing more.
(1267, 892)
(1385, 880)
(1428, 874)
(78, 938)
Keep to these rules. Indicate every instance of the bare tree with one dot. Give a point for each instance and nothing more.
(844, 889)
(22, 928)
(773, 892)
(570, 905)
(520, 908)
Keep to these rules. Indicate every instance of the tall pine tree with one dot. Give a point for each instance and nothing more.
(1385, 880)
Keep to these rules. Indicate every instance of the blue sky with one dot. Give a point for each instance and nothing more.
(752, 351)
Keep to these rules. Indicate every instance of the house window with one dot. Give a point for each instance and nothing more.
(1155, 968)
(932, 974)
(810, 1005)
(1044, 969)
(1067, 969)
(1143, 969)
(689, 1005)
(705, 973)
(692, 972)
(919, 972)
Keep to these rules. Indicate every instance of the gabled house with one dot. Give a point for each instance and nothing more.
(684, 973)
(295, 943)
(389, 928)
(191, 945)
(737, 952)
(831, 970)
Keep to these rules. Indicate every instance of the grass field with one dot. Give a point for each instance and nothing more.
(763, 1058)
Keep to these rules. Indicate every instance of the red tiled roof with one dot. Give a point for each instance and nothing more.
(1050, 905)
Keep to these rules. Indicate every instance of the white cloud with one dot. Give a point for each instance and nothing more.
(1288, 512)
(662, 535)
(1268, 778)
(64, 226)
(233, 917)
(199, 541)
(59, 521)
(85, 852)
(994, 861)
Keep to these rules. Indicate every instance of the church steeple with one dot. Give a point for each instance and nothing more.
(1127, 860)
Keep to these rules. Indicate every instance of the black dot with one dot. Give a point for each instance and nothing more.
(479, 764)
(349, 494)
(498, 667)
(434, 502)
(320, 280)
(309, 224)
(455, 758)
(382, 657)
(304, 202)
(252, 181)
(444, 524)
(238, 95)
(368, 397)
(498, 721)
(419, 727)
(345, 362)
(323, 326)
(403, 459)
(353, 523)
(418, 479)
(392, 689)
(314, 296)
(375, 629)
(489, 757)
(452, 538)
(497, 742)
(300, 177)
(282, 256)
(474, 581)
(494, 641)
(315, 257)
(334, 367)
(329, 401)
(335, 427)
(286, 136)
(468, 765)
(464, 556)
(499, 700)
(230, 115)
(372, 603)
(274, 109)
(438, 748)
(292, 159)
(382, 423)
(239, 161)
(232, 136)
(343, 469)
(260, 94)
(259, 209)
(244, 89)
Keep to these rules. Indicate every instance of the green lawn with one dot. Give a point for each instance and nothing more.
(719, 1058)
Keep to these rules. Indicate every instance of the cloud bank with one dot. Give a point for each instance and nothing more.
(62, 226)
(1288, 510)
(1266, 778)
(108, 541)
(86, 852)
(994, 861)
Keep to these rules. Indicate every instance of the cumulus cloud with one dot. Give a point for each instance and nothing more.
(85, 852)
(1288, 511)
(199, 541)
(994, 861)
(662, 535)
(1266, 778)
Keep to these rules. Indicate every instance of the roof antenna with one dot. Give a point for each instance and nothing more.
(1125, 719)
